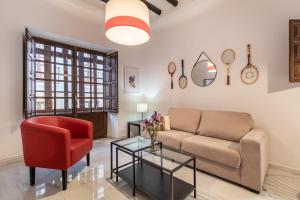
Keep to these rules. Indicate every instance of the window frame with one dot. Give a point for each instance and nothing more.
(52, 93)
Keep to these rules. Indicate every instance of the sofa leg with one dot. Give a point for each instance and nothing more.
(64, 179)
(88, 159)
(32, 175)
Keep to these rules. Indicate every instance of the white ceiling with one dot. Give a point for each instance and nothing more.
(166, 7)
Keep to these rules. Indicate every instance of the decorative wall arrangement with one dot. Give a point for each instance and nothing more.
(132, 80)
(204, 71)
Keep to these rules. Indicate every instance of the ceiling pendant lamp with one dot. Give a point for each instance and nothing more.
(127, 22)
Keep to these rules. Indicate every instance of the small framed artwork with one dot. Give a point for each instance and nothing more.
(132, 80)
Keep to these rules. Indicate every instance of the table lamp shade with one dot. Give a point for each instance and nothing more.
(141, 107)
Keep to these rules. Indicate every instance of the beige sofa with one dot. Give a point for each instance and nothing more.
(224, 143)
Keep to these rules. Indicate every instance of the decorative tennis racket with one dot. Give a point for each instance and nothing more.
(228, 57)
(250, 73)
(182, 79)
(171, 70)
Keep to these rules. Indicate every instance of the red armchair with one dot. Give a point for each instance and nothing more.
(55, 143)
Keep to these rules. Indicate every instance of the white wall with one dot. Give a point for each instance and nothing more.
(212, 26)
(70, 20)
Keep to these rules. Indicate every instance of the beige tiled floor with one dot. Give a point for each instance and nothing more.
(91, 183)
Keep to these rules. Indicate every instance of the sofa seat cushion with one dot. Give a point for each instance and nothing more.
(172, 138)
(79, 148)
(230, 126)
(220, 151)
(184, 119)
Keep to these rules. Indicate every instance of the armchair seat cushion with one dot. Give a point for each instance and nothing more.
(79, 148)
(172, 138)
(217, 150)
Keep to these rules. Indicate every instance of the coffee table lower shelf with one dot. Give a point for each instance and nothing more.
(157, 185)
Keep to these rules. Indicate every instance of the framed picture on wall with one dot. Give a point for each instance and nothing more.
(132, 80)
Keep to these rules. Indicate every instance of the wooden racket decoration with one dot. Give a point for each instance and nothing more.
(182, 79)
(250, 73)
(228, 58)
(172, 70)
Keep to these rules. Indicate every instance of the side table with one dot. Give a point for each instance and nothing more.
(133, 123)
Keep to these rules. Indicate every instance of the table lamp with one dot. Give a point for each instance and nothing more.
(141, 108)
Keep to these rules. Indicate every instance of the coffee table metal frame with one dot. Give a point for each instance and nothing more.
(137, 156)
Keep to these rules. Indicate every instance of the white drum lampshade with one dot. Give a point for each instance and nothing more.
(141, 108)
(127, 22)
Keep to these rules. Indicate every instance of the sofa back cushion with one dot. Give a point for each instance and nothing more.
(230, 126)
(184, 119)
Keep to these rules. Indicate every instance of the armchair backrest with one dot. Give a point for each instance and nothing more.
(46, 120)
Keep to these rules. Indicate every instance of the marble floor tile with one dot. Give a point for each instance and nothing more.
(94, 183)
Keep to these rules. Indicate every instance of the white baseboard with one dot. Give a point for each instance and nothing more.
(11, 160)
(285, 168)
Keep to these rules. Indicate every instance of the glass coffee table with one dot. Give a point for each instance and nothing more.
(153, 172)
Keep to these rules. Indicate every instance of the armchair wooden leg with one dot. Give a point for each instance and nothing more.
(88, 159)
(32, 175)
(64, 179)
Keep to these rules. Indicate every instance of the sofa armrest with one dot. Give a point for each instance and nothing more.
(255, 158)
(45, 146)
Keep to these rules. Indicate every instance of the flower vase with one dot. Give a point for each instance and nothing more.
(152, 134)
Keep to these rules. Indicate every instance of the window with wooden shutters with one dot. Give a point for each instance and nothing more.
(61, 79)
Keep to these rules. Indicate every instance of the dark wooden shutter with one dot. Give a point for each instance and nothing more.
(29, 75)
(97, 82)
(111, 83)
(294, 50)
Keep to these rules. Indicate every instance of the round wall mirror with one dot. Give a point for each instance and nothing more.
(204, 73)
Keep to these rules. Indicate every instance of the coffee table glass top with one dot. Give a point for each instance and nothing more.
(164, 158)
(135, 143)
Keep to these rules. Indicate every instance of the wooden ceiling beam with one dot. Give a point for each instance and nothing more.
(173, 2)
(151, 7)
